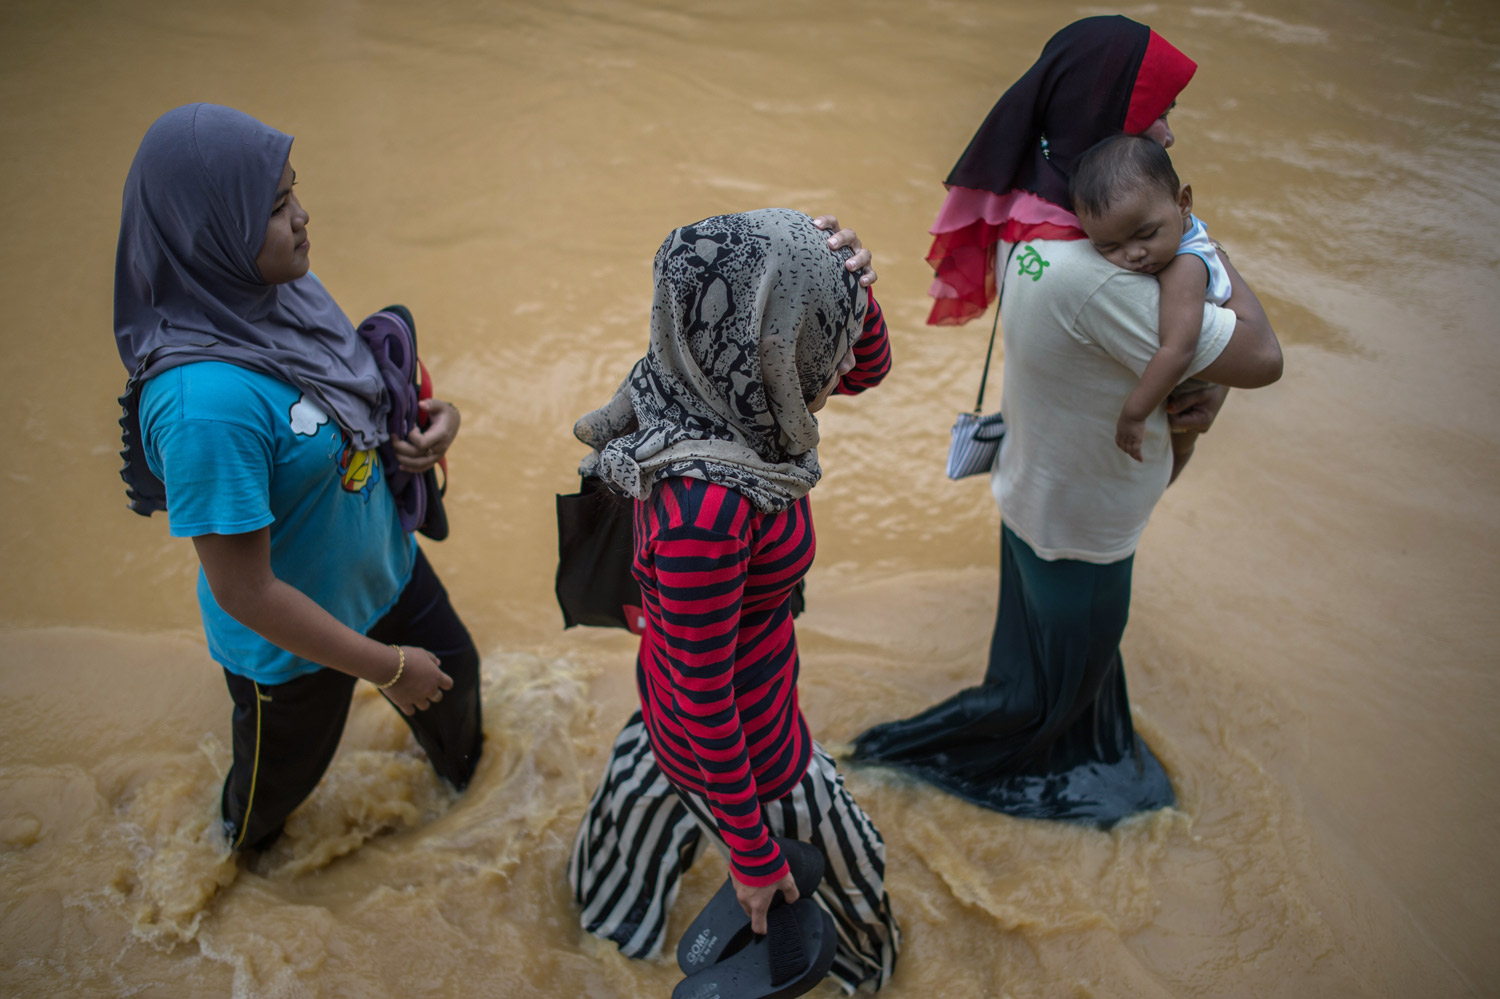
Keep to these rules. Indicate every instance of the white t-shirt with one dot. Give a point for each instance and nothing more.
(1078, 333)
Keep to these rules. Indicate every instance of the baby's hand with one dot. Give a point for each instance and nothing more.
(1129, 435)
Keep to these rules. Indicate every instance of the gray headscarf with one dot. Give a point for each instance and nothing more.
(751, 315)
(197, 200)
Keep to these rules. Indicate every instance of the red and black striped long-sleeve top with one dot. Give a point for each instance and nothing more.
(718, 663)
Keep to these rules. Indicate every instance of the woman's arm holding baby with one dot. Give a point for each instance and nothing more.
(1251, 359)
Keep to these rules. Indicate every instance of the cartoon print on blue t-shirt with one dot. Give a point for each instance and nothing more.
(358, 471)
(306, 417)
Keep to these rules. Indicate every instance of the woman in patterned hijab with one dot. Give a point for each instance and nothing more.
(748, 323)
(755, 321)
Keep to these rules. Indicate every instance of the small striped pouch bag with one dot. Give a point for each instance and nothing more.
(976, 437)
(976, 444)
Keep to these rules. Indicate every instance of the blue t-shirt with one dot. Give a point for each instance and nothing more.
(238, 451)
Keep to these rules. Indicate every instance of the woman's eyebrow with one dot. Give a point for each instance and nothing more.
(288, 189)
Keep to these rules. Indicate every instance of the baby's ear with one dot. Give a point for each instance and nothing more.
(1185, 200)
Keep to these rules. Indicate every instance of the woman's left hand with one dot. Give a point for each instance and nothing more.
(1190, 415)
(422, 448)
(860, 262)
(1193, 413)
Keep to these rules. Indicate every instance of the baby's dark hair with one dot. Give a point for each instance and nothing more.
(1117, 165)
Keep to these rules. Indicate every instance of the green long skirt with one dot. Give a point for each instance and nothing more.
(1048, 734)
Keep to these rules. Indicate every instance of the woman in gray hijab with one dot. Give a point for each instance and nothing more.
(252, 417)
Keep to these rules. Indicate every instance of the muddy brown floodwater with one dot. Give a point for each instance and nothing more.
(1312, 649)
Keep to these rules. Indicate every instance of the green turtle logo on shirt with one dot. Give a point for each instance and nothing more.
(1030, 263)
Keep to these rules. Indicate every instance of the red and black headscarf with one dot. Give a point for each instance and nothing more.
(1095, 78)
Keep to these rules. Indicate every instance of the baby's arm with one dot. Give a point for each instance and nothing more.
(1184, 283)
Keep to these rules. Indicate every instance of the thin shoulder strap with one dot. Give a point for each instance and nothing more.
(979, 403)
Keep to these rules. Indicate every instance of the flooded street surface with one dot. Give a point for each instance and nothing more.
(1312, 649)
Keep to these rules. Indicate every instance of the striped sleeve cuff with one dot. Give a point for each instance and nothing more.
(872, 354)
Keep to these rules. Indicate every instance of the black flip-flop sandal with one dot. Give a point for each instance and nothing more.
(723, 928)
(791, 959)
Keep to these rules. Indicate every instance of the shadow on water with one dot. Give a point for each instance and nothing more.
(1299, 326)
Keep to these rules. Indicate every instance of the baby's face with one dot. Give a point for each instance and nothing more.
(1142, 229)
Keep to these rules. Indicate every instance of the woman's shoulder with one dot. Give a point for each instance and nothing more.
(213, 391)
(1069, 280)
(685, 502)
(1056, 265)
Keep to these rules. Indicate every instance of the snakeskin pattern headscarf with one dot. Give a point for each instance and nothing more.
(751, 315)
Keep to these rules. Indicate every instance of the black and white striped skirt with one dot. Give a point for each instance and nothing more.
(640, 834)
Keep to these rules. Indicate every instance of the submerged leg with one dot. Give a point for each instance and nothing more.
(284, 736)
(634, 844)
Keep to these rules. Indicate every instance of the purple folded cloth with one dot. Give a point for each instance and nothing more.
(392, 340)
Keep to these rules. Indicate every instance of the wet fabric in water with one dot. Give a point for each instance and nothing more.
(1048, 734)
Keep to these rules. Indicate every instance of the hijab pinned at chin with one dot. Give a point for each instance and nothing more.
(197, 201)
(1095, 78)
(750, 316)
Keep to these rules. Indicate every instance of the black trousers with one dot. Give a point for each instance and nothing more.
(285, 734)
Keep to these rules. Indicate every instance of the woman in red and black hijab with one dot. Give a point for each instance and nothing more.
(1097, 77)
(1048, 734)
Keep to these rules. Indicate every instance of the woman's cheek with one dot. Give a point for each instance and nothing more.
(1161, 133)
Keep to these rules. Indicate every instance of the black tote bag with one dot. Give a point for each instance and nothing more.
(595, 546)
(595, 549)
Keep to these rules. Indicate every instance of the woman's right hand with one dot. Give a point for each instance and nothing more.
(757, 901)
(422, 681)
(859, 263)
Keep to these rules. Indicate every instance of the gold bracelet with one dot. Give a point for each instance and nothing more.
(400, 668)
